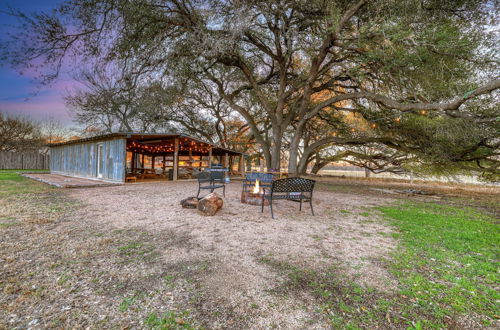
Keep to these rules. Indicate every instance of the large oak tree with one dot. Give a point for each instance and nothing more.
(284, 64)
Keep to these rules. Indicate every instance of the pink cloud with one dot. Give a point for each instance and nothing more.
(39, 108)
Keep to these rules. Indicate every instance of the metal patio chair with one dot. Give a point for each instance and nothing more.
(206, 180)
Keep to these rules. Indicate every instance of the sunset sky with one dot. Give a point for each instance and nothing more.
(19, 94)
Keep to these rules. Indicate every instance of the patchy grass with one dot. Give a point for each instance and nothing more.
(170, 321)
(25, 201)
(126, 303)
(12, 184)
(446, 266)
(52, 261)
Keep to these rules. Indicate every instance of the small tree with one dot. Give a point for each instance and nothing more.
(19, 134)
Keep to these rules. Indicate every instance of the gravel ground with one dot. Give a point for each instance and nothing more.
(117, 255)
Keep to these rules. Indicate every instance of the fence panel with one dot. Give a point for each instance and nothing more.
(23, 161)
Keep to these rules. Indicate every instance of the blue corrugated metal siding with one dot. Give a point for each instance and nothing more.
(80, 159)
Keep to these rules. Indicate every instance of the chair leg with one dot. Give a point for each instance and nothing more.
(262, 208)
(198, 194)
(271, 205)
(311, 203)
(224, 191)
(300, 208)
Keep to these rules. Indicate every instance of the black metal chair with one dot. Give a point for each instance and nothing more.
(206, 181)
(218, 176)
(293, 189)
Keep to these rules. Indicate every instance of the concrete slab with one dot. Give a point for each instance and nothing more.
(63, 181)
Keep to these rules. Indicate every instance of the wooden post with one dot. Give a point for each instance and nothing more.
(191, 165)
(153, 162)
(133, 162)
(241, 165)
(210, 157)
(176, 158)
(163, 166)
(226, 164)
(142, 161)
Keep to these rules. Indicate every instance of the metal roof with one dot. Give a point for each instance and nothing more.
(142, 136)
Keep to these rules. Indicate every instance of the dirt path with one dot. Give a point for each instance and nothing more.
(345, 232)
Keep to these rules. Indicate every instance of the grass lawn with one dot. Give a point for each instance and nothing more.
(447, 261)
(444, 267)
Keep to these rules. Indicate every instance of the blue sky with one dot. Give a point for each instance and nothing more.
(20, 95)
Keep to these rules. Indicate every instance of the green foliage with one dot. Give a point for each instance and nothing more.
(446, 145)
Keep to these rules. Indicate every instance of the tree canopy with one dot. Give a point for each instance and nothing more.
(387, 84)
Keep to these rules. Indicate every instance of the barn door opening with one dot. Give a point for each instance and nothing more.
(99, 160)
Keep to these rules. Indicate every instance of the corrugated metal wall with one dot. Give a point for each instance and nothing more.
(80, 159)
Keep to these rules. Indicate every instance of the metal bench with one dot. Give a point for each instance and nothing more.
(293, 189)
(206, 180)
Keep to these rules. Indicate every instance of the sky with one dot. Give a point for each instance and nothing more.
(20, 94)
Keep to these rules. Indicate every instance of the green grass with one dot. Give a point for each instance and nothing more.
(126, 303)
(12, 175)
(447, 258)
(22, 199)
(446, 266)
(12, 184)
(168, 321)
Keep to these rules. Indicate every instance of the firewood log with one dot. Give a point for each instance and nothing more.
(210, 204)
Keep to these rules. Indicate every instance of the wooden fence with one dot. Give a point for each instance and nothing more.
(23, 161)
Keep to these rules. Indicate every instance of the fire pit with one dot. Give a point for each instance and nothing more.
(253, 197)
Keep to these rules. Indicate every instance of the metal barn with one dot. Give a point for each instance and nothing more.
(121, 157)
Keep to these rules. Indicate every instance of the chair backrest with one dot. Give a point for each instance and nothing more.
(293, 185)
(204, 177)
(262, 177)
(217, 175)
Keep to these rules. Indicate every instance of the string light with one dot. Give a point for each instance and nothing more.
(145, 148)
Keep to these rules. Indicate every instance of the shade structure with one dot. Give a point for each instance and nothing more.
(115, 156)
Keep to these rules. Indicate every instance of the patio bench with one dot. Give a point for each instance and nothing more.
(293, 189)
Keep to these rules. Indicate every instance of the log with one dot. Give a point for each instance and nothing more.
(210, 204)
(189, 203)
